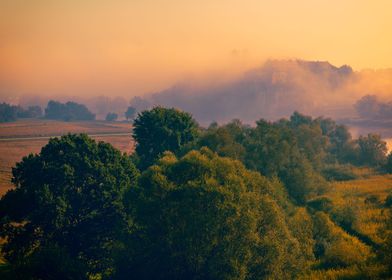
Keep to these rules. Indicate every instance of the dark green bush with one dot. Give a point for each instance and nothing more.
(339, 173)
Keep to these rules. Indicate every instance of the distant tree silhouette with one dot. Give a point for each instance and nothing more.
(130, 113)
(30, 112)
(110, 117)
(370, 107)
(70, 111)
(8, 112)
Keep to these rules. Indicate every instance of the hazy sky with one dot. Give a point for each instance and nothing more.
(130, 47)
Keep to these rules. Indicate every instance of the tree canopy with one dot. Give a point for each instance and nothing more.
(160, 129)
(67, 201)
(206, 217)
(230, 201)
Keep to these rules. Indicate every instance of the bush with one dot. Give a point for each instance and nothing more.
(339, 173)
(321, 204)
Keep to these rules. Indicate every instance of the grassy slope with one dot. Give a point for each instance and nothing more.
(359, 203)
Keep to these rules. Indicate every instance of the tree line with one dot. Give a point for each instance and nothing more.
(10, 113)
(68, 111)
(225, 202)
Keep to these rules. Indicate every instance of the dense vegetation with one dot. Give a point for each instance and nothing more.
(11, 112)
(225, 202)
(69, 111)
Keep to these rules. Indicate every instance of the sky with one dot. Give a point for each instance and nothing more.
(131, 47)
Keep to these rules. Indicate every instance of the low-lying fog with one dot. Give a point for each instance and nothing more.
(274, 90)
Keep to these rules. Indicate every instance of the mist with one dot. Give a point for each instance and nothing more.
(275, 90)
(271, 91)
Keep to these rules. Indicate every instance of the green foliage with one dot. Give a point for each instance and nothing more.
(336, 248)
(338, 172)
(225, 140)
(321, 203)
(301, 225)
(69, 196)
(372, 150)
(339, 141)
(206, 217)
(50, 262)
(80, 210)
(161, 129)
(272, 149)
(301, 180)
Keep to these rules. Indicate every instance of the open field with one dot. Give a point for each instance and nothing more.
(38, 127)
(361, 204)
(13, 147)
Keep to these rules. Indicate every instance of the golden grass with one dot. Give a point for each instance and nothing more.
(380, 185)
(369, 217)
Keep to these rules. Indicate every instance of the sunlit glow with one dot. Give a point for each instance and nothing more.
(131, 47)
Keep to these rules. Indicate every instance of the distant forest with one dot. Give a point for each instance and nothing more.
(225, 202)
(69, 111)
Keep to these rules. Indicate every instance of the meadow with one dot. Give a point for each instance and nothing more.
(357, 209)
(20, 138)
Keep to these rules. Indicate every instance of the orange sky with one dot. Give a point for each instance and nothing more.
(134, 46)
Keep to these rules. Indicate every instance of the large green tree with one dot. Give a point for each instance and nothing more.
(67, 204)
(206, 217)
(372, 150)
(162, 129)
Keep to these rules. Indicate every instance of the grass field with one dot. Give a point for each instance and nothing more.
(362, 200)
(14, 149)
(38, 127)
(358, 206)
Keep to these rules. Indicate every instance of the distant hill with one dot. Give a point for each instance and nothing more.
(274, 90)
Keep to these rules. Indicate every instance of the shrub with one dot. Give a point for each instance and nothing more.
(339, 173)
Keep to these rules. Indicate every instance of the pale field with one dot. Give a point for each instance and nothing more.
(12, 151)
(40, 127)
